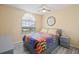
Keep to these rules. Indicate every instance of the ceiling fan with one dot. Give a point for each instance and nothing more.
(44, 8)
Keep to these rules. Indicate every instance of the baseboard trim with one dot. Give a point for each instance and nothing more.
(8, 52)
(74, 46)
(18, 42)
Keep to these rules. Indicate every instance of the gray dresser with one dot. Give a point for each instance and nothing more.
(65, 41)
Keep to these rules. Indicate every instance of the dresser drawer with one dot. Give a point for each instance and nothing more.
(68, 42)
(67, 45)
(64, 39)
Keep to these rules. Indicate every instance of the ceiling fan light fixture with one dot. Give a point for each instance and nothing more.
(44, 10)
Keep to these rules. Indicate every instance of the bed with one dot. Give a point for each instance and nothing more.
(41, 42)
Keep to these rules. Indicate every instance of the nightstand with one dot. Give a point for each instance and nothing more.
(65, 41)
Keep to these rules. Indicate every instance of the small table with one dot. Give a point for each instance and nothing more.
(65, 41)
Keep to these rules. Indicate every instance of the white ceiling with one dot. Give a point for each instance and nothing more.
(35, 7)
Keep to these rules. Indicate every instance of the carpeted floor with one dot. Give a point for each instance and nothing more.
(19, 49)
(62, 50)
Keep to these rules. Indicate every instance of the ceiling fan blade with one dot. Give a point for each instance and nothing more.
(45, 7)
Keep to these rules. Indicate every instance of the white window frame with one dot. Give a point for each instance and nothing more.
(30, 28)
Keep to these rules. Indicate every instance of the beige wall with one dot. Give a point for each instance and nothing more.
(67, 19)
(10, 22)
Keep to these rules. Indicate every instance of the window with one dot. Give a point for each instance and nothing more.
(28, 24)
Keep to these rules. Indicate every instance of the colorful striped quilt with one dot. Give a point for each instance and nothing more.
(39, 41)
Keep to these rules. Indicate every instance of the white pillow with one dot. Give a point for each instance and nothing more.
(52, 31)
(44, 30)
